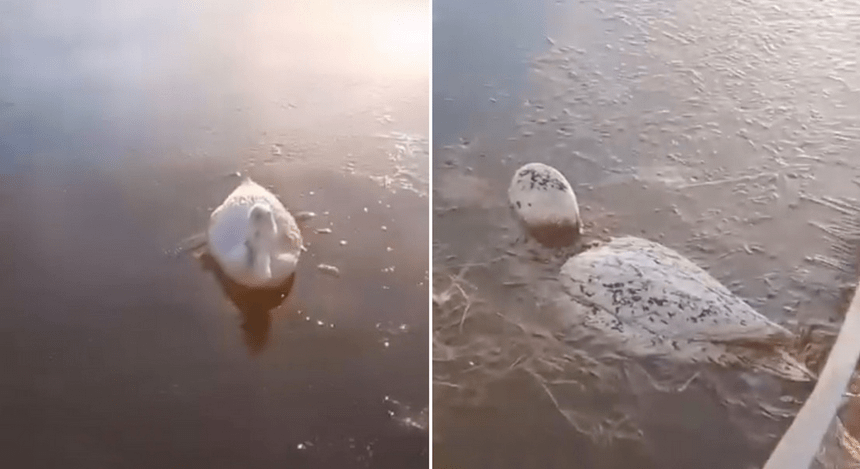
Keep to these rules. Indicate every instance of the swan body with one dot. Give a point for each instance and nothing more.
(253, 238)
(657, 303)
(647, 299)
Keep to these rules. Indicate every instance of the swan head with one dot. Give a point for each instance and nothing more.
(544, 203)
(260, 240)
(254, 254)
(262, 221)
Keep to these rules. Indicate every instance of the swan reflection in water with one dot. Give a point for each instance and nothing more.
(255, 305)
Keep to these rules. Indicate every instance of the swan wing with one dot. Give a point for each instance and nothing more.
(644, 286)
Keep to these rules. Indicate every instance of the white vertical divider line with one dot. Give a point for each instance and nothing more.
(430, 239)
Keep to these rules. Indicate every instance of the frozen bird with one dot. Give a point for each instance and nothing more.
(253, 238)
(642, 297)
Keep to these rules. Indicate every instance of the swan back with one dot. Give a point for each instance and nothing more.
(653, 301)
(544, 202)
(253, 237)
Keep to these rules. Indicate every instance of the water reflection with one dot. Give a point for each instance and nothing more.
(255, 305)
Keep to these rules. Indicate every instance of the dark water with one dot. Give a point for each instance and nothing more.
(725, 130)
(478, 56)
(121, 127)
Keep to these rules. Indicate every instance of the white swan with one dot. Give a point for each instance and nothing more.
(253, 237)
(643, 297)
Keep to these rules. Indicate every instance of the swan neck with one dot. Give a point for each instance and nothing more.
(263, 265)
